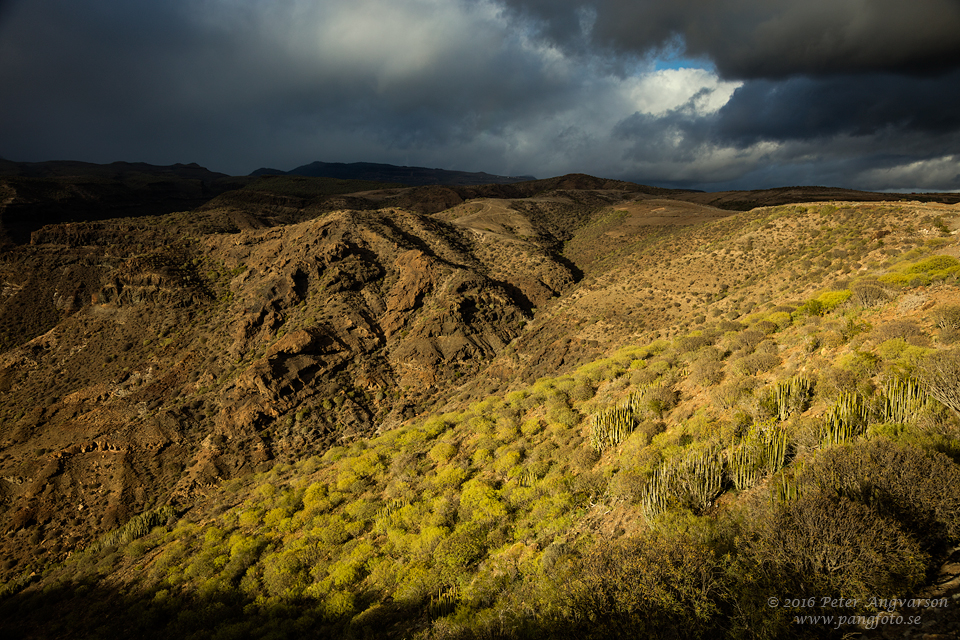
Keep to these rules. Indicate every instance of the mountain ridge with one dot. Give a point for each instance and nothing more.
(377, 172)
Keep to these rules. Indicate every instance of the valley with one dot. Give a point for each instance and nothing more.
(571, 407)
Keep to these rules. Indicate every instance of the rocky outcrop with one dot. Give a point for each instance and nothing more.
(173, 362)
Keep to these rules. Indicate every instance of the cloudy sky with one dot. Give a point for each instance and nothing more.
(708, 94)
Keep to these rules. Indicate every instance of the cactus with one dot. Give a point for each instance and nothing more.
(762, 451)
(444, 603)
(136, 527)
(700, 478)
(527, 478)
(788, 397)
(611, 427)
(635, 401)
(786, 489)
(902, 400)
(846, 420)
(654, 497)
(694, 481)
(382, 515)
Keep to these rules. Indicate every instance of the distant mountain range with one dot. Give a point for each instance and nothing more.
(113, 171)
(413, 176)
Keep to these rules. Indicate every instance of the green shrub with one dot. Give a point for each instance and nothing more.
(918, 489)
(755, 363)
(935, 265)
(830, 300)
(706, 373)
(833, 546)
(654, 586)
(947, 317)
(456, 553)
(869, 294)
(442, 452)
(652, 400)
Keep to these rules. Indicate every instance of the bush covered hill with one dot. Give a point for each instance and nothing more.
(584, 409)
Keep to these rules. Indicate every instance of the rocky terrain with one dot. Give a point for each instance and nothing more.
(149, 360)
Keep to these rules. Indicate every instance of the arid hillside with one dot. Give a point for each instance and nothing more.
(416, 408)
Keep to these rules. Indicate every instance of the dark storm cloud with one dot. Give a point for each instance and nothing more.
(847, 91)
(766, 38)
(805, 108)
(238, 84)
(852, 91)
(865, 132)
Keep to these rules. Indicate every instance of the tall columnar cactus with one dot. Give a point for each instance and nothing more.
(654, 499)
(610, 427)
(636, 401)
(761, 452)
(137, 527)
(792, 396)
(902, 400)
(787, 488)
(444, 603)
(846, 420)
(694, 481)
(700, 478)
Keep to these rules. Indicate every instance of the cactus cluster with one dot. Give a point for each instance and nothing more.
(382, 515)
(902, 400)
(789, 397)
(527, 478)
(846, 420)
(694, 481)
(136, 527)
(609, 428)
(637, 400)
(654, 498)
(761, 452)
(444, 603)
(786, 489)
(700, 478)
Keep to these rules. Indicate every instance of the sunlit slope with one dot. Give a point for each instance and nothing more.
(647, 281)
(793, 430)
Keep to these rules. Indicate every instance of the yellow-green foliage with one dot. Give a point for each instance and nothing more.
(480, 502)
(488, 520)
(442, 452)
(830, 300)
(780, 318)
(482, 457)
(932, 269)
(449, 476)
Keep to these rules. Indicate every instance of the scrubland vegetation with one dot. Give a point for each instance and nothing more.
(806, 449)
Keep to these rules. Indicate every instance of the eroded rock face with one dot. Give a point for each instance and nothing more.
(177, 363)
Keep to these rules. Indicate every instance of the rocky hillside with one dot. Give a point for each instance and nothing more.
(383, 375)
